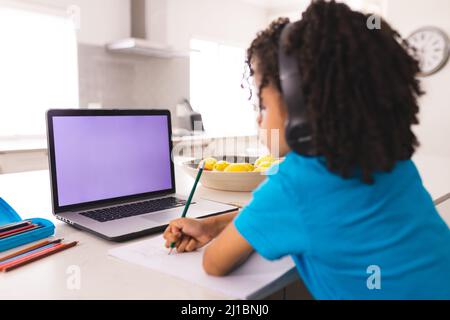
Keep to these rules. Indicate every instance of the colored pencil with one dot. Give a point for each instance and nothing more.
(14, 225)
(26, 255)
(10, 233)
(29, 249)
(25, 250)
(31, 255)
(57, 248)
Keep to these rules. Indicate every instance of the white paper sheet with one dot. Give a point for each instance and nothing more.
(251, 277)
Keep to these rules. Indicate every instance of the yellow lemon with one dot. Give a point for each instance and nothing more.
(267, 158)
(209, 163)
(221, 165)
(239, 167)
(265, 164)
(260, 169)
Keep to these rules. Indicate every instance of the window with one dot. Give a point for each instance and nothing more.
(39, 69)
(216, 76)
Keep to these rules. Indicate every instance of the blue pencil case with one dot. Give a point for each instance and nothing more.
(9, 215)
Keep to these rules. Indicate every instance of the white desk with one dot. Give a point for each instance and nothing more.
(103, 277)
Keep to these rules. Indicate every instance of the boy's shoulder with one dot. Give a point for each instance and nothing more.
(294, 173)
(295, 167)
(310, 169)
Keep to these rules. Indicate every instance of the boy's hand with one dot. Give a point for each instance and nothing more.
(188, 234)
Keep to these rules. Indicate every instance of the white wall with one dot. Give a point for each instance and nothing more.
(101, 20)
(434, 130)
(231, 21)
(292, 11)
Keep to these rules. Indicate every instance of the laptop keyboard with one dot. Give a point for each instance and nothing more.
(133, 209)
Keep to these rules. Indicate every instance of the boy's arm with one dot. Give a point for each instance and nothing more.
(216, 224)
(228, 251)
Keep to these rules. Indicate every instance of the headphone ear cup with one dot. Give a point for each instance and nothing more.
(298, 136)
(297, 129)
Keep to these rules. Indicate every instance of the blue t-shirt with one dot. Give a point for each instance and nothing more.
(350, 240)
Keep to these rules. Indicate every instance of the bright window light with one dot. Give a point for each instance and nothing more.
(39, 70)
(216, 76)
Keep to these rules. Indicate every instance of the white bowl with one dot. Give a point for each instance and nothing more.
(227, 181)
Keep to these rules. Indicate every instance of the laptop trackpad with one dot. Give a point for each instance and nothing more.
(163, 217)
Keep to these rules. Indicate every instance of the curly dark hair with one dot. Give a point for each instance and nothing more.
(360, 86)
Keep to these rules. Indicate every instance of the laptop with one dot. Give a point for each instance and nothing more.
(112, 172)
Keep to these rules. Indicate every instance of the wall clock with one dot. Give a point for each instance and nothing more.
(432, 49)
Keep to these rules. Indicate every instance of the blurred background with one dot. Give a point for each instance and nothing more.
(183, 55)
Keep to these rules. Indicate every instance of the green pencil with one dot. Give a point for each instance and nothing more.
(191, 195)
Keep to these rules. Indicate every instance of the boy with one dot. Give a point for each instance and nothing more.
(359, 204)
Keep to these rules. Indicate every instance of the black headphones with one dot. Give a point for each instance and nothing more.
(298, 129)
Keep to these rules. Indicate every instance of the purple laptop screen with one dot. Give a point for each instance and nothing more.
(104, 157)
